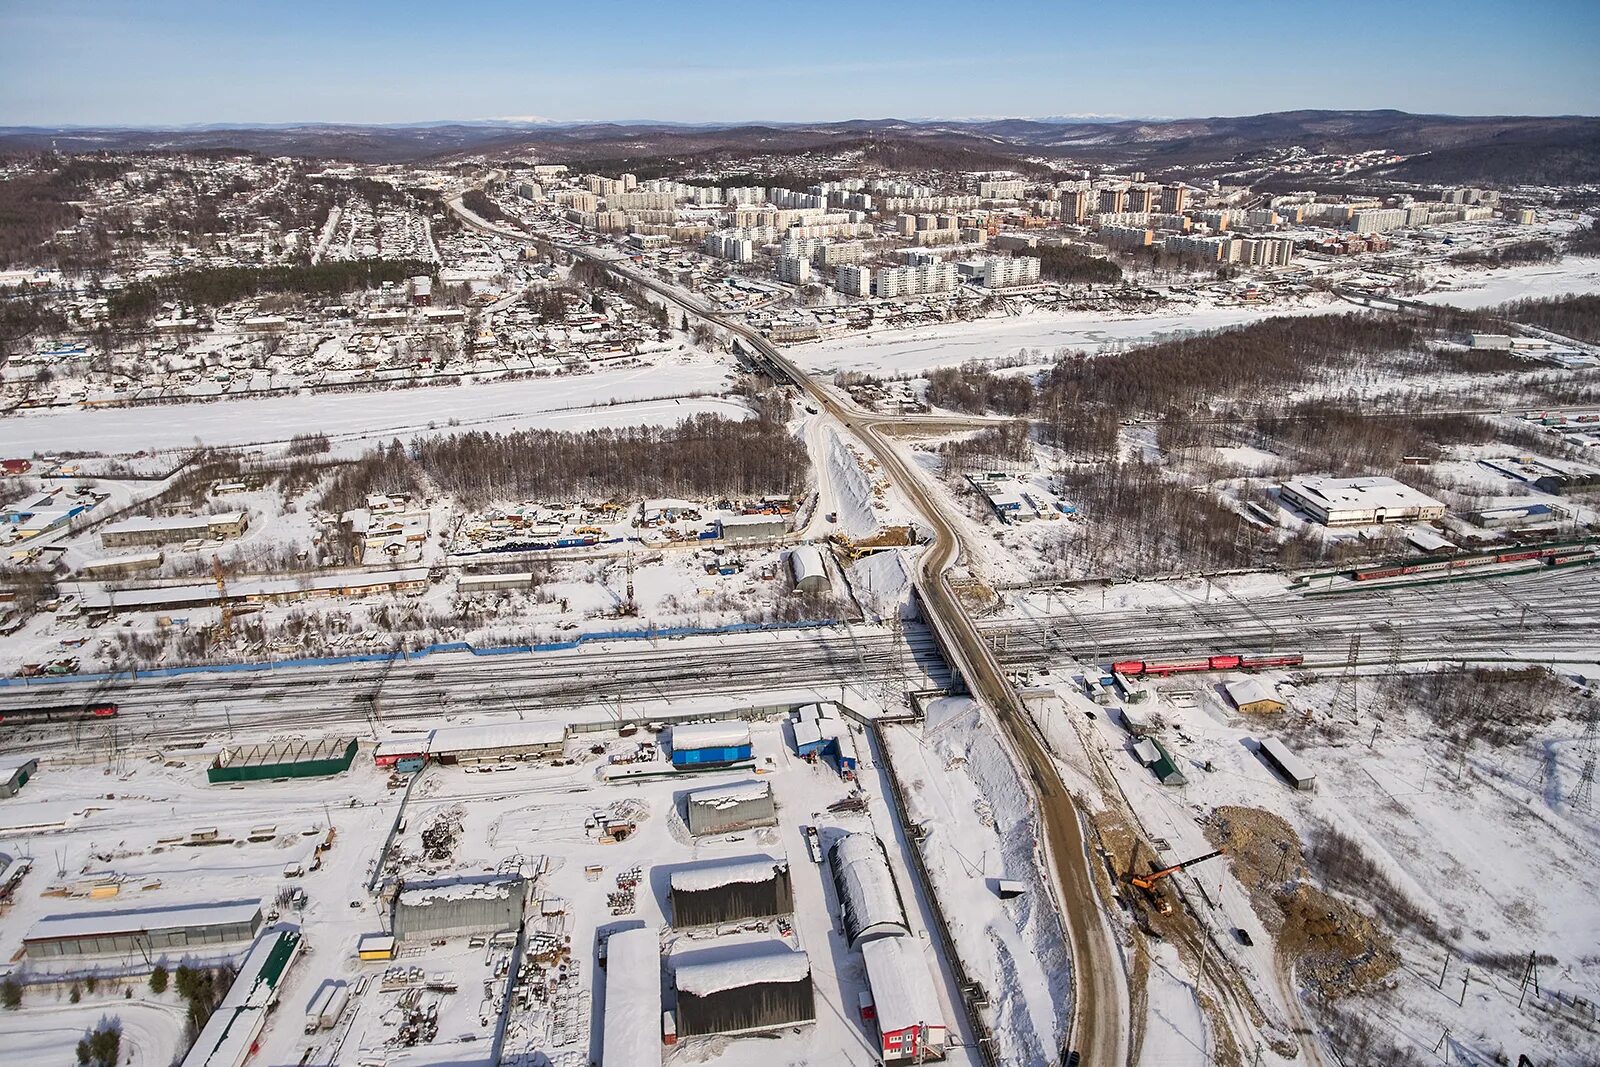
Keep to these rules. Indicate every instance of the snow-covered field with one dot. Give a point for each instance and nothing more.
(994, 338)
(358, 420)
(1476, 289)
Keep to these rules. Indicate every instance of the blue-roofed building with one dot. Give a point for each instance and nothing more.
(710, 744)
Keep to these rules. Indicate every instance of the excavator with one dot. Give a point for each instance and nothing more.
(1149, 883)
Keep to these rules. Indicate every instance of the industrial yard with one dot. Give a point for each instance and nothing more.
(1007, 592)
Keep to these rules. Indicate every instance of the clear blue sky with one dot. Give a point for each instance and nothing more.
(168, 62)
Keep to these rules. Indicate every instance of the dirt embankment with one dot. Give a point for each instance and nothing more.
(1337, 950)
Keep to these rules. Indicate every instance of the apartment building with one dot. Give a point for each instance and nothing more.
(853, 279)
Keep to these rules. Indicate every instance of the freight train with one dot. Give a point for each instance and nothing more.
(1555, 554)
(56, 713)
(1138, 668)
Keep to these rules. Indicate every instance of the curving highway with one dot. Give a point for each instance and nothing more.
(1099, 1028)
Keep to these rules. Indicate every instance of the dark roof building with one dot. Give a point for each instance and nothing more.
(742, 989)
(730, 891)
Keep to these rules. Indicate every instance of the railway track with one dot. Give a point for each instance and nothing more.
(405, 693)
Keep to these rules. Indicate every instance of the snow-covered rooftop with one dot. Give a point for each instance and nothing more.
(728, 796)
(632, 1026)
(713, 875)
(491, 888)
(747, 965)
(1360, 493)
(490, 736)
(902, 986)
(1251, 691)
(710, 735)
(143, 920)
(866, 885)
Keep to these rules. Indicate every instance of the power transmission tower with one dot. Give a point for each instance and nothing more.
(1348, 679)
(1583, 793)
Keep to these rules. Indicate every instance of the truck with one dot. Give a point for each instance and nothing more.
(326, 1007)
(318, 1005)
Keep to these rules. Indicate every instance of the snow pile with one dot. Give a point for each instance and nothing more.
(882, 583)
(852, 489)
(771, 962)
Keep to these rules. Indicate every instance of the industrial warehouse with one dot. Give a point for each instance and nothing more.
(740, 989)
(1360, 501)
(724, 809)
(869, 899)
(498, 742)
(731, 891)
(710, 744)
(459, 907)
(631, 1029)
(291, 759)
(146, 932)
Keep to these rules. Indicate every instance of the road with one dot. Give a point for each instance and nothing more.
(1100, 1024)
(626, 676)
(1547, 615)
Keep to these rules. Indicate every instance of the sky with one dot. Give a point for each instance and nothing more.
(181, 62)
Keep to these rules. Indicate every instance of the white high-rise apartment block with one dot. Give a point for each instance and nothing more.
(1003, 189)
(998, 272)
(853, 280)
(1266, 251)
(916, 281)
(1378, 220)
(796, 270)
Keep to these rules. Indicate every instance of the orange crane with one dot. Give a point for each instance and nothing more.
(1148, 882)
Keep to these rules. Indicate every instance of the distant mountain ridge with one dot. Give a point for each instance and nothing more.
(1464, 148)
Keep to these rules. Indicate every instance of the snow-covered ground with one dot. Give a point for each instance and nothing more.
(977, 813)
(1486, 846)
(995, 338)
(357, 421)
(1486, 288)
(47, 1031)
(133, 818)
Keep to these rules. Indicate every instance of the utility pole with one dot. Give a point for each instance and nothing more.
(1530, 977)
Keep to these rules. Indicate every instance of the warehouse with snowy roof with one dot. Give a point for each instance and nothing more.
(710, 744)
(1360, 501)
(460, 907)
(868, 896)
(809, 570)
(726, 809)
(905, 1006)
(742, 989)
(497, 742)
(631, 1027)
(148, 932)
(730, 891)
